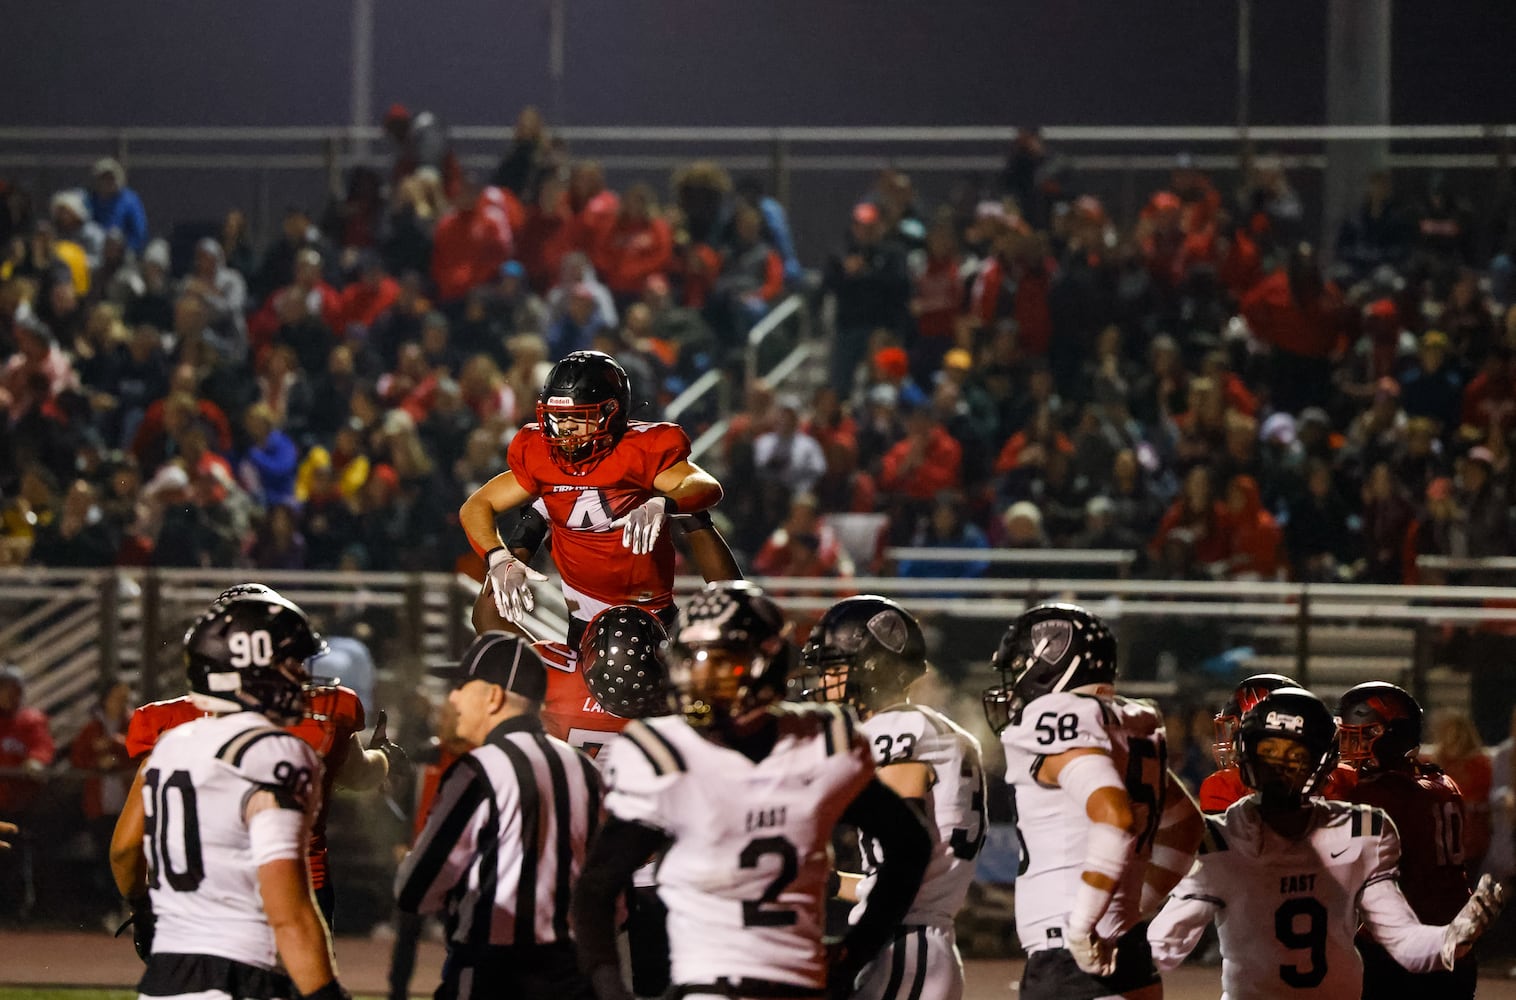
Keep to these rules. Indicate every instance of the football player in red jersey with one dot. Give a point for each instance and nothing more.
(608, 484)
(334, 719)
(1379, 733)
(1225, 786)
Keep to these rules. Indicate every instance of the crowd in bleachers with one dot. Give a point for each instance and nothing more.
(1008, 369)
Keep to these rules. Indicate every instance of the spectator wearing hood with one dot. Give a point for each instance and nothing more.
(638, 245)
(470, 244)
(269, 462)
(1254, 538)
(578, 326)
(223, 290)
(576, 273)
(1303, 319)
(113, 205)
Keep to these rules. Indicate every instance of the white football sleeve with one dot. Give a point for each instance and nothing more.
(1392, 922)
(1177, 928)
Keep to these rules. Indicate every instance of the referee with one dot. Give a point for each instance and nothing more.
(506, 836)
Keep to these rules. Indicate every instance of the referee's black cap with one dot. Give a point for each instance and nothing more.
(505, 659)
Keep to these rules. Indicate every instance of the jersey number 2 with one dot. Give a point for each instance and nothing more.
(161, 818)
(762, 912)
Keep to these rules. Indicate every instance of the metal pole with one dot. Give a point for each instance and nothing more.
(1244, 82)
(110, 625)
(152, 633)
(1303, 639)
(361, 92)
(556, 24)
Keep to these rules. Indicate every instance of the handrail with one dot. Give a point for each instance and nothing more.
(766, 326)
(696, 390)
(1464, 564)
(1040, 557)
(781, 133)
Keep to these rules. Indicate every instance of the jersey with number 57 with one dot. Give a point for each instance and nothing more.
(955, 802)
(744, 877)
(1286, 910)
(201, 871)
(1053, 827)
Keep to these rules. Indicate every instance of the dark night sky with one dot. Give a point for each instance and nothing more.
(707, 62)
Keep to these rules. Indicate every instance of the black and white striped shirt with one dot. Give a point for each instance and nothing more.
(505, 840)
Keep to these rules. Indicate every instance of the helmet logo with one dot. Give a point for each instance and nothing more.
(560, 401)
(1285, 723)
(1051, 639)
(890, 630)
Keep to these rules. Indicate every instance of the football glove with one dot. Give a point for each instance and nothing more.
(143, 923)
(1473, 920)
(399, 763)
(1093, 954)
(511, 582)
(641, 528)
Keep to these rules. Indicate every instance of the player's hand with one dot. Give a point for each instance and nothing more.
(143, 923)
(641, 528)
(511, 582)
(6, 830)
(1093, 954)
(394, 753)
(1473, 920)
(842, 970)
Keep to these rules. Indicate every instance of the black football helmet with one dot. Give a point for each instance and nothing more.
(583, 410)
(728, 653)
(1378, 726)
(1052, 647)
(249, 655)
(1250, 692)
(864, 651)
(1286, 746)
(621, 658)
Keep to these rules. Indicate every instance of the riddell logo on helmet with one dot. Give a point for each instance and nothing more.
(1287, 723)
(560, 401)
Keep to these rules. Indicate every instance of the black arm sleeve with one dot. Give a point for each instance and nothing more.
(528, 534)
(619, 850)
(907, 848)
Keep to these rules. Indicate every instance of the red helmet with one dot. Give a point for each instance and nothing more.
(1250, 692)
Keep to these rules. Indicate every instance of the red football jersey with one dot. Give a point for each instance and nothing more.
(569, 712)
(335, 715)
(1427, 809)
(582, 509)
(1224, 787)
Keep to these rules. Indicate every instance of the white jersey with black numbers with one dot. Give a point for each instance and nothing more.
(1287, 910)
(200, 870)
(955, 803)
(744, 877)
(1053, 827)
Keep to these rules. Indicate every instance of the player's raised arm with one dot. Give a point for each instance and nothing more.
(689, 486)
(708, 549)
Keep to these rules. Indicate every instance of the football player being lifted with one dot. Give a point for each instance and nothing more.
(607, 483)
(866, 652)
(742, 793)
(1288, 877)
(1379, 733)
(228, 801)
(1105, 829)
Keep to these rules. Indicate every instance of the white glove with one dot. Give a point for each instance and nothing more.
(1093, 954)
(641, 528)
(1473, 920)
(510, 582)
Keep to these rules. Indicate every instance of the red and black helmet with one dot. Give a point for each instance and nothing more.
(1250, 692)
(1379, 726)
(592, 390)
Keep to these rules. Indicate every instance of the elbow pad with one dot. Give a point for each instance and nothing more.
(529, 533)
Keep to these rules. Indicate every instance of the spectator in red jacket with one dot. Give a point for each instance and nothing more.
(1014, 284)
(26, 744)
(1490, 399)
(1255, 537)
(803, 545)
(1302, 317)
(547, 235)
(1199, 516)
(936, 302)
(638, 245)
(595, 206)
(366, 299)
(927, 462)
(470, 244)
